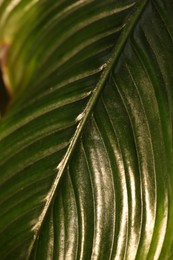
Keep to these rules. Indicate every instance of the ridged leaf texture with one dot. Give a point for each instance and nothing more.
(86, 151)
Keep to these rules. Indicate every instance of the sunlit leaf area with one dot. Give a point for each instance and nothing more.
(86, 129)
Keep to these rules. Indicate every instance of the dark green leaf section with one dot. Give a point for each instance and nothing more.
(121, 182)
(68, 44)
(114, 200)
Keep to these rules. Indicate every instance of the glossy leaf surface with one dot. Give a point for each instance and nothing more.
(86, 142)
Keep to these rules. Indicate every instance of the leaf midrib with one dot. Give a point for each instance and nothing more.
(83, 117)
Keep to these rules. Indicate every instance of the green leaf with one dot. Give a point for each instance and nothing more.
(86, 142)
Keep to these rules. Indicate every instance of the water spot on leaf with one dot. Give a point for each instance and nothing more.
(80, 116)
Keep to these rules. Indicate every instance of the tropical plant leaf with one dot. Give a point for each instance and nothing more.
(86, 142)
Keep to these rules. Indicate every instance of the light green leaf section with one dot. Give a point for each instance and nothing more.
(86, 146)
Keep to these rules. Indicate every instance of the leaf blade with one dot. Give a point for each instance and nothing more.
(121, 157)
